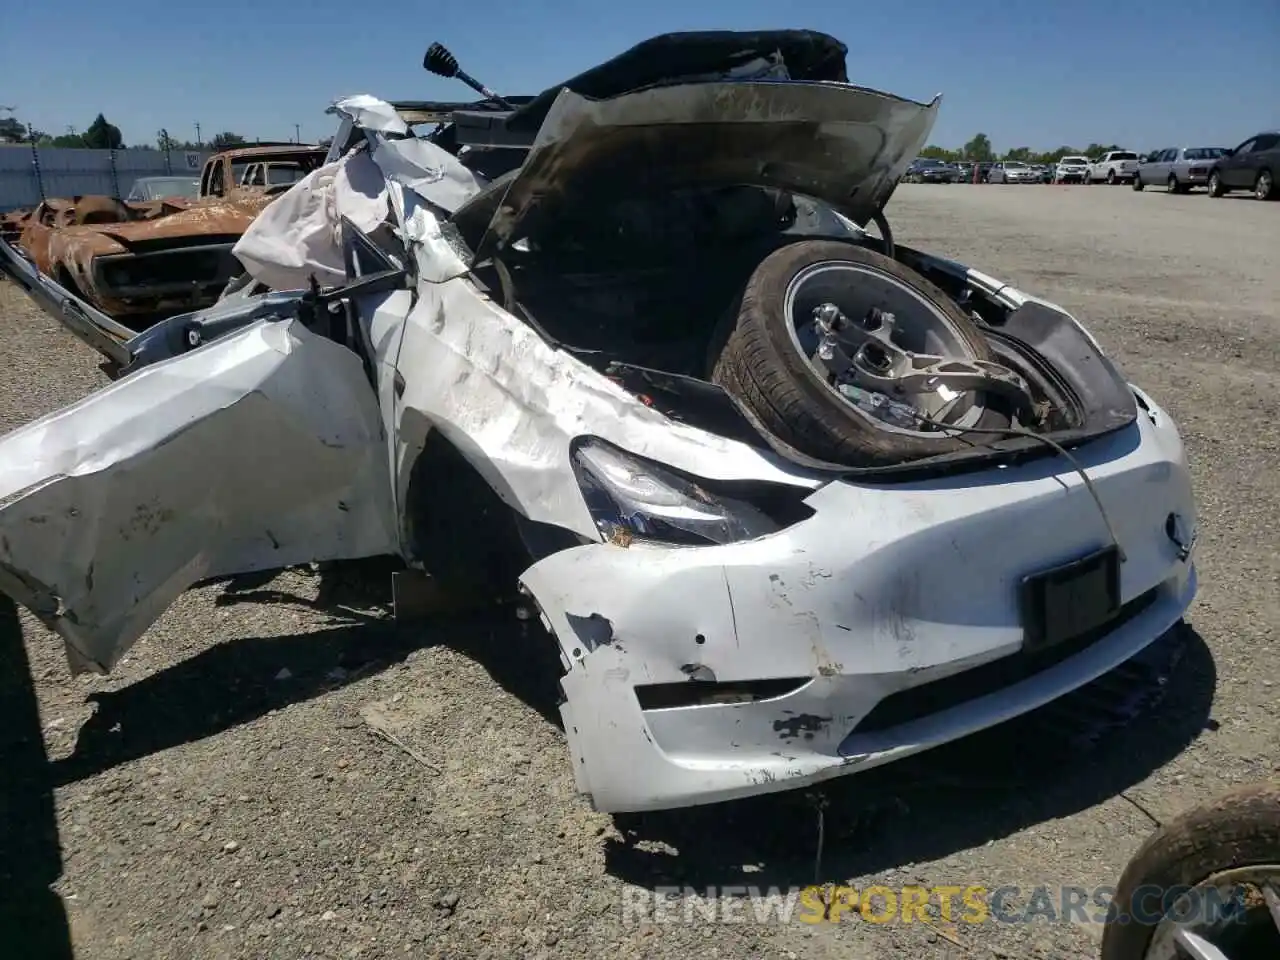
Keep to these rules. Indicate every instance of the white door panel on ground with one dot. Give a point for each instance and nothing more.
(260, 450)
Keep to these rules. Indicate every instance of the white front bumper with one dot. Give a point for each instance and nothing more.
(884, 589)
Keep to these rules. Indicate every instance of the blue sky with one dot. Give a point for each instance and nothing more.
(1035, 73)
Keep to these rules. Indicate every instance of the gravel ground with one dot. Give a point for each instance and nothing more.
(223, 794)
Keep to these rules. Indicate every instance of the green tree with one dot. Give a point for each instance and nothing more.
(227, 140)
(979, 149)
(1053, 156)
(11, 128)
(102, 135)
(1098, 149)
(934, 152)
(68, 140)
(1018, 153)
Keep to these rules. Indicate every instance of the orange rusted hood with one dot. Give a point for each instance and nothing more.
(220, 216)
(216, 217)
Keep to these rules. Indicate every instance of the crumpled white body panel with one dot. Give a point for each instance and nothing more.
(260, 450)
(272, 446)
(512, 405)
(882, 590)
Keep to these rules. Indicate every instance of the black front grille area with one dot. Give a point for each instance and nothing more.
(930, 698)
(157, 273)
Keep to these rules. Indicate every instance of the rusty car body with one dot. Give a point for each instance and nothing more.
(140, 261)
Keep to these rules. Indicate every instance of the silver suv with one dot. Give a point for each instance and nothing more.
(1071, 170)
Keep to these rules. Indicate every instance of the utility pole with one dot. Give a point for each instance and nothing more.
(199, 142)
(297, 133)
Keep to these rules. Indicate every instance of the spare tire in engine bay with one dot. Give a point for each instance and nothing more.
(849, 356)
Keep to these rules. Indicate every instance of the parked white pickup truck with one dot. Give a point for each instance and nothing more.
(1118, 166)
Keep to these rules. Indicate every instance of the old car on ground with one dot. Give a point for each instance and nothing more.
(790, 498)
(139, 262)
(1251, 166)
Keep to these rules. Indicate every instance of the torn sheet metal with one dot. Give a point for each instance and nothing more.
(260, 450)
(370, 113)
(434, 174)
(842, 144)
(440, 255)
(512, 404)
(300, 234)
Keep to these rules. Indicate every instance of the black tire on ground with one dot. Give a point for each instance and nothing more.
(1137, 183)
(761, 365)
(1174, 186)
(1111, 178)
(1235, 830)
(1215, 184)
(1264, 188)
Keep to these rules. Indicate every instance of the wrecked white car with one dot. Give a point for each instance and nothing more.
(793, 499)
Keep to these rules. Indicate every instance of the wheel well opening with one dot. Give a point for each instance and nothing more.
(462, 532)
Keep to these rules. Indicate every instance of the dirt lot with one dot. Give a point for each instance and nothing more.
(221, 795)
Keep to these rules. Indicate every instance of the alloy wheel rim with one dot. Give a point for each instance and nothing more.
(1232, 915)
(923, 326)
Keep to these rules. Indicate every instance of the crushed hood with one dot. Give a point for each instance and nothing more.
(835, 142)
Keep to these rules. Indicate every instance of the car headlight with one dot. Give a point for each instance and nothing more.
(632, 498)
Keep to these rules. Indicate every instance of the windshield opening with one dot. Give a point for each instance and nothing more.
(155, 189)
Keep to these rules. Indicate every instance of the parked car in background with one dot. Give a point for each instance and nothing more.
(1011, 171)
(964, 172)
(1177, 169)
(158, 188)
(928, 170)
(1071, 170)
(1116, 166)
(1251, 166)
(1045, 170)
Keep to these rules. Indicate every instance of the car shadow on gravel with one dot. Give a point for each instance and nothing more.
(238, 681)
(33, 922)
(956, 797)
